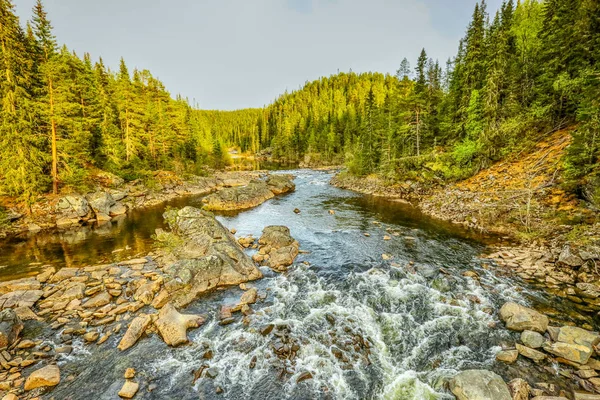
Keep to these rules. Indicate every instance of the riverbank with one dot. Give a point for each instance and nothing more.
(111, 198)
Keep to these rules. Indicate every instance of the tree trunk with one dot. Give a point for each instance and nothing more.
(54, 151)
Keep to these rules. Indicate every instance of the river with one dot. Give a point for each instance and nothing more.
(424, 319)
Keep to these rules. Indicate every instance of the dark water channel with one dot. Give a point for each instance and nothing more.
(424, 325)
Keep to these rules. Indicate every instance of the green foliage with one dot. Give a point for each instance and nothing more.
(531, 68)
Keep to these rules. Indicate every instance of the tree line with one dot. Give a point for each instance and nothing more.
(532, 68)
(62, 116)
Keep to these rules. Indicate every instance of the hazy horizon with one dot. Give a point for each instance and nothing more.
(231, 54)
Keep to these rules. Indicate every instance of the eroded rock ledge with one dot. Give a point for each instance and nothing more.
(251, 195)
(209, 256)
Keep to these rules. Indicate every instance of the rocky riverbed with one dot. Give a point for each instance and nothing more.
(354, 298)
(130, 299)
(114, 197)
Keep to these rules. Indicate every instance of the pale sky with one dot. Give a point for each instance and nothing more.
(230, 54)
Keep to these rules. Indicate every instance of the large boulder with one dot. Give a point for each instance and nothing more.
(10, 327)
(281, 248)
(72, 207)
(251, 195)
(101, 203)
(172, 326)
(479, 385)
(279, 184)
(239, 198)
(208, 258)
(520, 318)
(43, 377)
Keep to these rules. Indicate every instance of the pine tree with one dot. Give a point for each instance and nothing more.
(21, 158)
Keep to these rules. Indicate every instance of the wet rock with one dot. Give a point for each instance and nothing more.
(212, 372)
(479, 385)
(530, 353)
(172, 326)
(280, 247)
(519, 389)
(304, 377)
(532, 339)
(10, 327)
(227, 321)
(208, 259)
(43, 377)
(252, 363)
(129, 390)
(572, 352)
(91, 336)
(136, 329)
(129, 373)
(279, 184)
(520, 318)
(297, 211)
(249, 296)
(266, 329)
(507, 356)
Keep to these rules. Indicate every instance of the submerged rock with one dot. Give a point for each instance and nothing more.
(129, 390)
(520, 318)
(173, 326)
(479, 385)
(208, 258)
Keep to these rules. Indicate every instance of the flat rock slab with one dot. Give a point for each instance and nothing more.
(43, 377)
(520, 318)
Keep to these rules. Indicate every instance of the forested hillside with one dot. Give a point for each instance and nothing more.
(528, 70)
(63, 115)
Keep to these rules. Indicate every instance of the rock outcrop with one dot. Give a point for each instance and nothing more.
(479, 385)
(251, 195)
(208, 258)
(278, 249)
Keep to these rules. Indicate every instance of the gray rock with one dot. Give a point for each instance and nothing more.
(72, 207)
(479, 385)
(569, 257)
(532, 339)
(101, 202)
(208, 258)
(10, 327)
